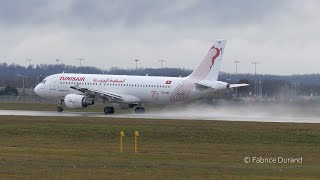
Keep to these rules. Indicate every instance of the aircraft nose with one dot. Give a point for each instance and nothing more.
(37, 90)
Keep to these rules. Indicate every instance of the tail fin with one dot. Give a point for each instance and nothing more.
(210, 66)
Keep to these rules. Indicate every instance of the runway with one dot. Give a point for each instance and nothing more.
(161, 115)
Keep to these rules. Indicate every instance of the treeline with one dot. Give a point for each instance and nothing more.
(264, 85)
(9, 90)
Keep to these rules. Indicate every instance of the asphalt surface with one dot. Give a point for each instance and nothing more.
(161, 115)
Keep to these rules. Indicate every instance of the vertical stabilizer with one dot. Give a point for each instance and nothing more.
(209, 67)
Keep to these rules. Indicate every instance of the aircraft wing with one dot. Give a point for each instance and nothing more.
(238, 85)
(111, 96)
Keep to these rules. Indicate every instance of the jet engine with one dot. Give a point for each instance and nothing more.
(219, 85)
(77, 101)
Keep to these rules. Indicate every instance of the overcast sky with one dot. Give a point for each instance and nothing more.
(284, 35)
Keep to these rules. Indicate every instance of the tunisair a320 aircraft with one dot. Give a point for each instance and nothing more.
(82, 90)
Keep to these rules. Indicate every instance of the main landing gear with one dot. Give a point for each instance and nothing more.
(139, 110)
(60, 108)
(109, 110)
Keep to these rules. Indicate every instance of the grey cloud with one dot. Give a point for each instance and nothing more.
(146, 29)
(100, 13)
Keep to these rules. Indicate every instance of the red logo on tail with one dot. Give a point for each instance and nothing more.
(215, 56)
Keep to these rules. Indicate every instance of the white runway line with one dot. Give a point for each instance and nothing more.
(160, 115)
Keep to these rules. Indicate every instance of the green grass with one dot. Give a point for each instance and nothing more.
(82, 147)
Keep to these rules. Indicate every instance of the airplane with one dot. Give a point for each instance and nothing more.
(83, 90)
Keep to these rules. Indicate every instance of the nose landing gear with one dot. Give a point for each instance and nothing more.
(60, 108)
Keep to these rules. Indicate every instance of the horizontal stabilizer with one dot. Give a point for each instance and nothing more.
(217, 85)
(238, 85)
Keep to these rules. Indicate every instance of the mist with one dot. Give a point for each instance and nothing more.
(246, 110)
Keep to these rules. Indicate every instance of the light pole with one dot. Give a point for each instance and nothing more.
(136, 60)
(260, 89)
(161, 62)
(255, 77)
(236, 62)
(29, 60)
(39, 77)
(22, 77)
(80, 60)
(57, 61)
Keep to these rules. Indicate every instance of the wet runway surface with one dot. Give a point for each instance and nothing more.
(161, 115)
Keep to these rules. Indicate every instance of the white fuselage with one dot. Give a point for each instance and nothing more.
(81, 90)
(150, 89)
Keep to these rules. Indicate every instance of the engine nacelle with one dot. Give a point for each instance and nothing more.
(219, 85)
(77, 101)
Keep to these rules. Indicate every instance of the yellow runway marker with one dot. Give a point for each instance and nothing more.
(121, 137)
(136, 135)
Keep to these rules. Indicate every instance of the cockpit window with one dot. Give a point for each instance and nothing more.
(44, 81)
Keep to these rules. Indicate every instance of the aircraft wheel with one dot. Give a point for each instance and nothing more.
(108, 110)
(139, 110)
(59, 109)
